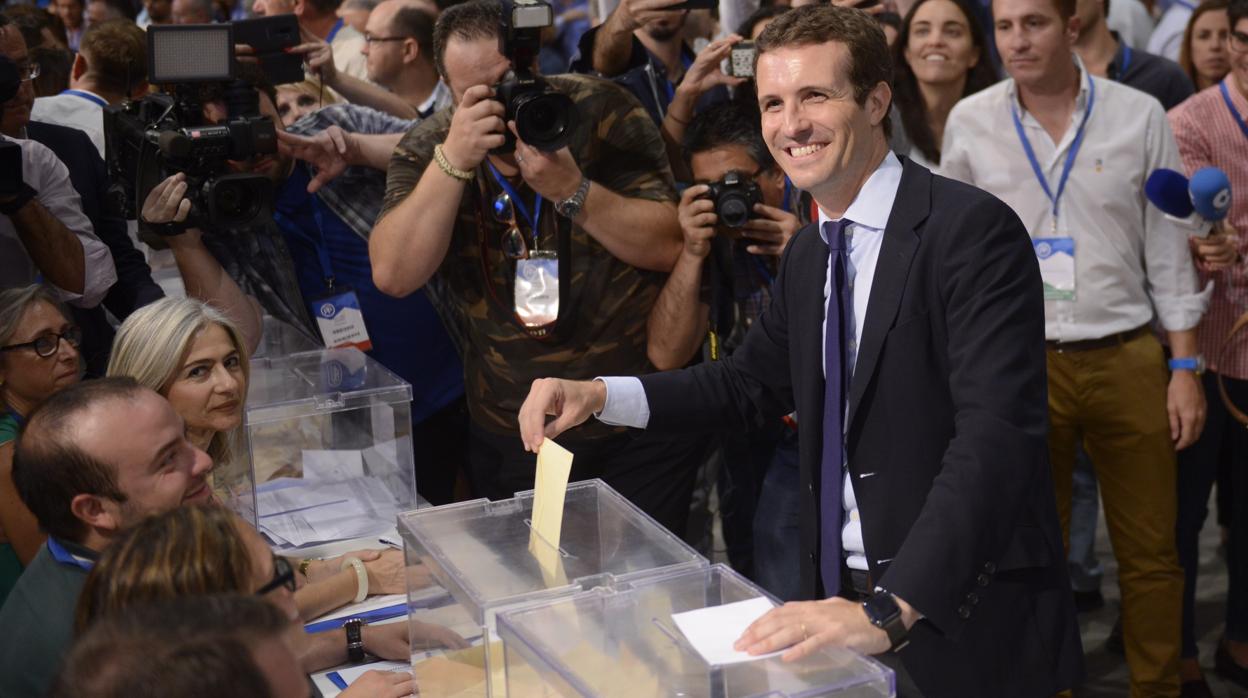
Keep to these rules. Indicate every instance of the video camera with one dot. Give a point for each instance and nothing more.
(734, 197)
(166, 133)
(545, 118)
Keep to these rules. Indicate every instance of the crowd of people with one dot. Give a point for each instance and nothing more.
(889, 276)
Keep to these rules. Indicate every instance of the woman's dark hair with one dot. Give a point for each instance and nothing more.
(906, 94)
(761, 14)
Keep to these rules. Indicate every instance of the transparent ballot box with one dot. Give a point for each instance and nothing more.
(622, 642)
(279, 339)
(329, 440)
(468, 561)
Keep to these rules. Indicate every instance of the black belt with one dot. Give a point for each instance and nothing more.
(1112, 340)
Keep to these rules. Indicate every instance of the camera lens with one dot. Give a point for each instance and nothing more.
(733, 210)
(545, 120)
(234, 201)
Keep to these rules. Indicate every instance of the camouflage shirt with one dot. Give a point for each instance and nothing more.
(604, 303)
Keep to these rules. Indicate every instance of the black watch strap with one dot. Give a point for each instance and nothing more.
(884, 613)
(355, 640)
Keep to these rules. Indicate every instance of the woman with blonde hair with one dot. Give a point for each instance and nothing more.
(193, 355)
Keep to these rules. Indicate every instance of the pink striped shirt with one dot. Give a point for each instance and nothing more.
(1208, 136)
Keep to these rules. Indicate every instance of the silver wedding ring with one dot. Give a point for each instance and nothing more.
(519, 158)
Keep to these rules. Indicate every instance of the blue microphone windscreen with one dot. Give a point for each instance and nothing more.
(1211, 193)
(1167, 190)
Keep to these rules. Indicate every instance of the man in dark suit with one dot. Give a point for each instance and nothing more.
(929, 528)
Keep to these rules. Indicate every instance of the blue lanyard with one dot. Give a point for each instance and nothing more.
(87, 96)
(1070, 155)
(1126, 60)
(329, 39)
(63, 556)
(788, 194)
(317, 243)
(518, 203)
(1185, 3)
(1226, 97)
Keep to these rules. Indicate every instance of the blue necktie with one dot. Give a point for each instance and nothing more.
(831, 509)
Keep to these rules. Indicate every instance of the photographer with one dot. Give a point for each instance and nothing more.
(721, 283)
(462, 211)
(316, 247)
(641, 46)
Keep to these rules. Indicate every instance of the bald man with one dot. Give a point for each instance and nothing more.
(399, 50)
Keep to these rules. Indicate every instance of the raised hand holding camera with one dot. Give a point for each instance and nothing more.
(554, 175)
(476, 128)
(167, 202)
(697, 220)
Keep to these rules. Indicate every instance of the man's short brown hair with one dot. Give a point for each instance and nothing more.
(116, 54)
(870, 62)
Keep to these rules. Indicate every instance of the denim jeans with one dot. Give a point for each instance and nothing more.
(1085, 569)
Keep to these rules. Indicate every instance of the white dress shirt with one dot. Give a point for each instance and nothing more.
(1129, 260)
(1167, 38)
(75, 111)
(626, 403)
(46, 174)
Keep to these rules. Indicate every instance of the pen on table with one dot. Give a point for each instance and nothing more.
(390, 543)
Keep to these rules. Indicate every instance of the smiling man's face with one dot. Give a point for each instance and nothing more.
(815, 128)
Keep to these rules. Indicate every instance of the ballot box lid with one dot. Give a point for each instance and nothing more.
(622, 640)
(485, 555)
(319, 382)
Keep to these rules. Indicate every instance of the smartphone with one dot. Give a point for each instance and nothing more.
(741, 60)
(694, 5)
(864, 4)
(270, 37)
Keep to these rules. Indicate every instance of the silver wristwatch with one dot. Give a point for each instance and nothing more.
(571, 207)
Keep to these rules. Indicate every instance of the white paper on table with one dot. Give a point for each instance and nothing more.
(332, 465)
(712, 631)
(382, 418)
(301, 512)
(382, 458)
(350, 674)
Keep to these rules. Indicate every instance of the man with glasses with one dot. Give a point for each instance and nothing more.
(93, 459)
(398, 48)
(1212, 131)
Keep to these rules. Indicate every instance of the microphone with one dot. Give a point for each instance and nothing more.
(1211, 193)
(1192, 206)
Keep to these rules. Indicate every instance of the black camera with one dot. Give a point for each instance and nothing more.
(734, 197)
(545, 118)
(165, 133)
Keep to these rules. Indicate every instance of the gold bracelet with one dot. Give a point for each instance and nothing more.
(447, 167)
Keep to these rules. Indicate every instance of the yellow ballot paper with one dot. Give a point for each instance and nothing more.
(554, 465)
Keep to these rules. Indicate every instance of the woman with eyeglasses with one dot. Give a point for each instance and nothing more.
(197, 550)
(38, 357)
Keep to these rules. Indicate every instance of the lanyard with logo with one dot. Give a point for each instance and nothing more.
(1057, 252)
(1226, 97)
(338, 314)
(87, 96)
(64, 557)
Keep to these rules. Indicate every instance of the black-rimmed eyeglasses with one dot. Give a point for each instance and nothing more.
(283, 576)
(47, 344)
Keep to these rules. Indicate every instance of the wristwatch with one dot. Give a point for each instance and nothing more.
(571, 207)
(884, 613)
(355, 639)
(1189, 363)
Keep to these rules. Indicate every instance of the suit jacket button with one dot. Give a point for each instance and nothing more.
(811, 487)
(812, 558)
(990, 567)
(964, 612)
(972, 598)
(982, 580)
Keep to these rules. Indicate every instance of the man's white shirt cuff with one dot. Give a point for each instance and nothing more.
(626, 404)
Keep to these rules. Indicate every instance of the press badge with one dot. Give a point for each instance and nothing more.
(1057, 267)
(537, 288)
(341, 321)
